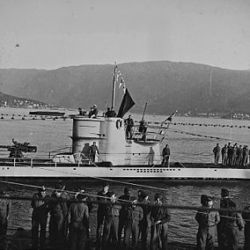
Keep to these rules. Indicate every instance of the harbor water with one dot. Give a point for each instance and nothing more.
(190, 140)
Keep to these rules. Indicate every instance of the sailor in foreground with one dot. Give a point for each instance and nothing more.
(230, 223)
(124, 201)
(39, 204)
(78, 220)
(133, 217)
(159, 228)
(246, 217)
(4, 216)
(102, 197)
(208, 221)
(58, 216)
(111, 223)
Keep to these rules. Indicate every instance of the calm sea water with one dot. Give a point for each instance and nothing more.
(54, 135)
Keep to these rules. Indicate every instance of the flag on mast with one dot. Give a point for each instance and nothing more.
(126, 104)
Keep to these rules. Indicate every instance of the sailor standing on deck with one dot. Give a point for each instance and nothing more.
(224, 155)
(93, 151)
(129, 127)
(216, 151)
(245, 155)
(39, 204)
(159, 229)
(165, 156)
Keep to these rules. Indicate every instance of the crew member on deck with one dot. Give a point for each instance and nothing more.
(143, 129)
(245, 155)
(110, 113)
(93, 111)
(224, 155)
(216, 151)
(93, 151)
(165, 156)
(129, 127)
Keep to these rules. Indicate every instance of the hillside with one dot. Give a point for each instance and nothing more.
(166, 86)
(17, 102)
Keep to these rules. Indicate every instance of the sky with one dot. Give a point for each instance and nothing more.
(49, 34)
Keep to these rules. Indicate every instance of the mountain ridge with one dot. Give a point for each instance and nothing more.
(166, 86)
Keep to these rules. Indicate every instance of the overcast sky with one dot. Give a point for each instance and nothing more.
(55, 33)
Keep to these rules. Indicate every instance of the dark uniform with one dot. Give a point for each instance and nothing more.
(58, 219)
(165, 156)
(207, 226)
(145, 222)
(230, 223)
(159, 229)
(224, 155)
(4, 214)
(245, 155)
(102, 197)
(246, 217)
(93, 151)
(111, 223)
(124, 211)
(239, 156)
(133, 218)
(143, 129)
(39, 204)
(230, 153)
(129, 127)
(216, 152)
(78, 219)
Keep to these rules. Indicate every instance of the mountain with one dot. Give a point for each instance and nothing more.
(166, 86)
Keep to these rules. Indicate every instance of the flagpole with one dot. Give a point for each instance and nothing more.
(113, 88)
(143, 114)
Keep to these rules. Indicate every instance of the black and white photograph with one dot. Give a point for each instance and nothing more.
(124, 125)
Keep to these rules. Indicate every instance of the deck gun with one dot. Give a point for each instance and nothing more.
(17, 149)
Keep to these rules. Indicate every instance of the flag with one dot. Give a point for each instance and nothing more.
(171, 116)
(126, 104)
(122, 83)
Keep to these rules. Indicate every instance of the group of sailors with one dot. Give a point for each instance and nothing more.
(118, 220)
(121, 219)
(129, 123)
(232, 155)
(227, 222)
